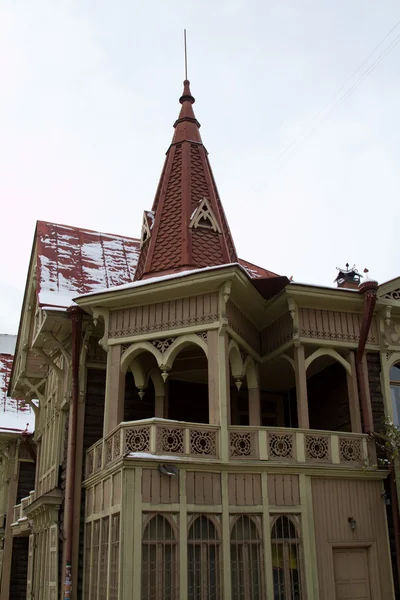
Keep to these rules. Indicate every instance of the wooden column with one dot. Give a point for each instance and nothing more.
(159, 407)
(354, 403)
(254, 407)
(301, 387)
(364, 374)
(115, 390)
(218, 385)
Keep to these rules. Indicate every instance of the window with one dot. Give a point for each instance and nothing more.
(159, 577)
(246, 560)
(203, 560)
(286, 560)
(394, 375)
(114, 557)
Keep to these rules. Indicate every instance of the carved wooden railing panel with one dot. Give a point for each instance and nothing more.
(164, 439)
(154, 437)
(299, 446)
(163, 316)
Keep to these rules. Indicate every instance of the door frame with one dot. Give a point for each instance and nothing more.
(372, 561)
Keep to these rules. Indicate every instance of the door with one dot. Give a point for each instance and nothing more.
(351, 574)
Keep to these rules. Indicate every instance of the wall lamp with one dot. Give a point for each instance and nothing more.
(169, 470)
(352, 523)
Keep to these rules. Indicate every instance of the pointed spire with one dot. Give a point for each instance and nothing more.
(190, 229)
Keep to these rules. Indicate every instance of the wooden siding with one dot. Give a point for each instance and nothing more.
(203, 488)
(283, 490)
(334, 501)
(158, 488)
(277, 334)
(163, 316)
(334, 325)
(244, 489)
(242, 326)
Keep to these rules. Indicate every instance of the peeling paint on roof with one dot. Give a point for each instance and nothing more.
(14, 414)
(73, 261)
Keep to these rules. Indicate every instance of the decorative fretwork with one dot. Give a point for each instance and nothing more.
(203, 335)
(137, 439)
(242, 443)
(334, 325)
(99, 457)
(280, 445)
(350, 450)
(394, 295)
(124, 347)
(109, 443)
(163, 345)
(317, 447)
(203, 442)
(170, 440)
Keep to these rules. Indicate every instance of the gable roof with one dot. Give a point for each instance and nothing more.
(14, 414)
(178, 241)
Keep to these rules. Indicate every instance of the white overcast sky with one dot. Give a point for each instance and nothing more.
(89, 92)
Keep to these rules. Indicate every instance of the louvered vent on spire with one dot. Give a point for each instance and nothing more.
(190, 230)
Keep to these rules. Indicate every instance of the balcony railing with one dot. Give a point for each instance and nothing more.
(19, 515)
(158, 437)
(167, 439)
(300, 446)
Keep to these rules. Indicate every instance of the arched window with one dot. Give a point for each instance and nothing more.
(286, 560)
(159, 577)
(203, 560)
(246, 560)
(394, 375)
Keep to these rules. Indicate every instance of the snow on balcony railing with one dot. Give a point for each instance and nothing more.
(154, 437)
(164, 438)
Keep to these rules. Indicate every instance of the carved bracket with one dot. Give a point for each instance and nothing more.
(104, 315)
(294, 313)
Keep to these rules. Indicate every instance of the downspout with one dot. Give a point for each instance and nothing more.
(368, 288)
(75, 313)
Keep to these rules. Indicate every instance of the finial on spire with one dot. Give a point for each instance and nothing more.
(185, 46)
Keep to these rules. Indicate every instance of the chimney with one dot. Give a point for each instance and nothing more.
(348, 277)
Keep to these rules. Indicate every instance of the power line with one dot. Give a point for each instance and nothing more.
(365, 74)
(359, 81)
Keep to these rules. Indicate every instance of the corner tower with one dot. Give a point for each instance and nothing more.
(187, 227)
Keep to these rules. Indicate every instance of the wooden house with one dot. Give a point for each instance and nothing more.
(204, 425)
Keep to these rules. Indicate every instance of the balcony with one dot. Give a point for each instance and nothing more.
(20, 524)
(163, 439)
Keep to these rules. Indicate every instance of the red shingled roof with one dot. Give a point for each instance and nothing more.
(176, 243)
(73, 261)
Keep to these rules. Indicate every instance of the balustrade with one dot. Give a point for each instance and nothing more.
(165, 439)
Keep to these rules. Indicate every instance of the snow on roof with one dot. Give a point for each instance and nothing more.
(73, 261)
(14, 414)
(7, 343)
